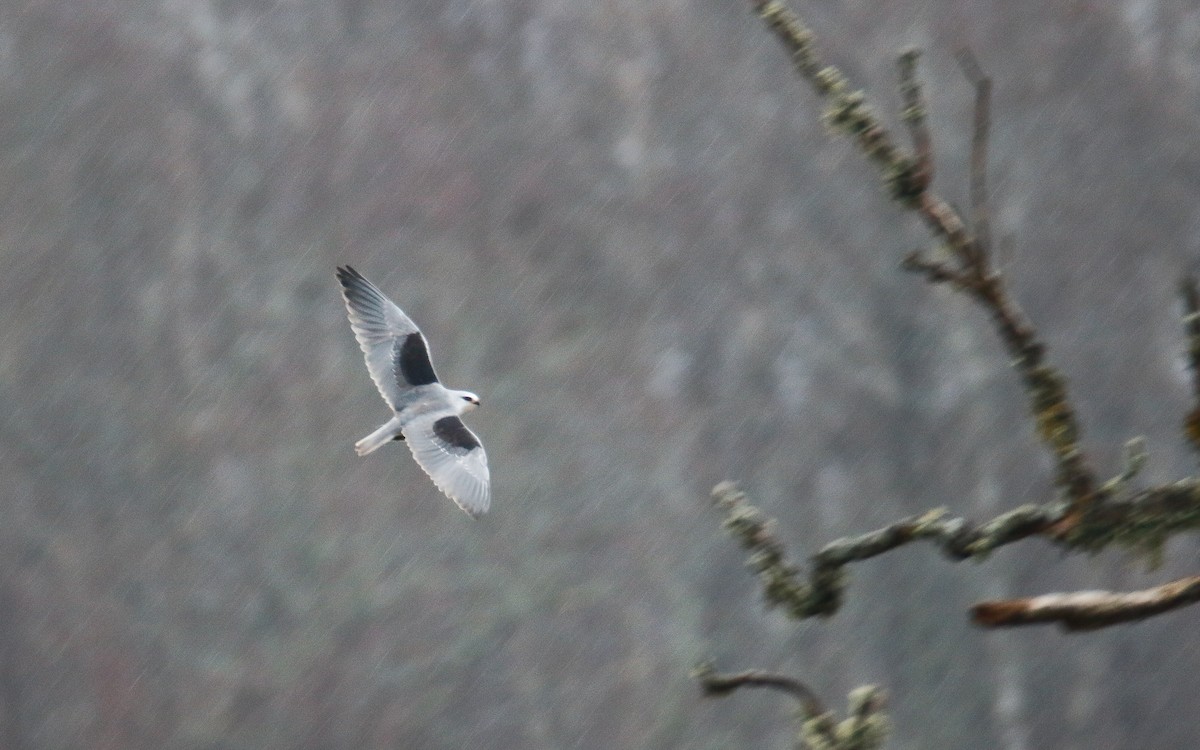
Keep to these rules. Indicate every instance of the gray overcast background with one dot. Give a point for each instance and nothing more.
(622, 224)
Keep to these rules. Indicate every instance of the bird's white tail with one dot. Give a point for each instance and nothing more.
(378, 438)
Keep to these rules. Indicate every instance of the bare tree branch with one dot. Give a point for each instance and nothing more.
(716, 684)
(980, 218)
(1191, 322)
(1088, 610)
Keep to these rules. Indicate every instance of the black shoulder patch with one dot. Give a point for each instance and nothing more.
(412, 361)
(452, 432)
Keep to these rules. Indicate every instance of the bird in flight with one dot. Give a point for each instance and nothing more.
(425, 413)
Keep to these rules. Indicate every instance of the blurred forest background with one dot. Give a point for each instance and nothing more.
(622, 224)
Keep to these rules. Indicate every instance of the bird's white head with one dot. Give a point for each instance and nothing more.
(464, 400)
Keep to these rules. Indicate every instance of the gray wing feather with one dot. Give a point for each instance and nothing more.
(381, 329)
(453, 458)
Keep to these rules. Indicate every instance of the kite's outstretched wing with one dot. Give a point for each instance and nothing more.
(453, 457)
(396, 351)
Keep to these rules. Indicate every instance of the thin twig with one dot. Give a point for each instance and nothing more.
(936, 272)
(1191, 323)
(914, 115)
(1088, 610)
(714, 684)
(1136, 459)
(979, 146)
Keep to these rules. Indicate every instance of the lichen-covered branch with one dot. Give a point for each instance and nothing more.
(821, 593)
(1086, 516)
(846, 110)
(908, 179)
(1088, 610)
(1141, 522)
(864, 728)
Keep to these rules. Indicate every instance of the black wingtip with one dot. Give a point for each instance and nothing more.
(351, 279)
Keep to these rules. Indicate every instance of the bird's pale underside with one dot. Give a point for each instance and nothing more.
(425, 413)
